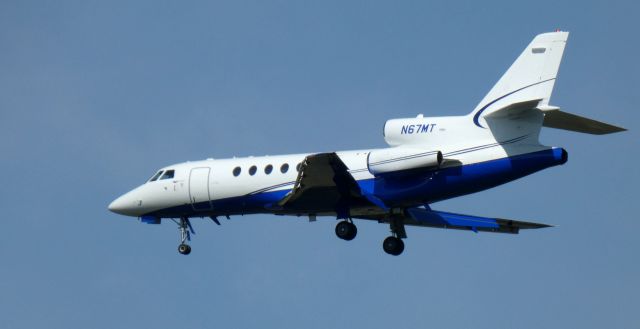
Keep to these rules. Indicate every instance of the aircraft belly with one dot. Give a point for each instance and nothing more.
(464, 179)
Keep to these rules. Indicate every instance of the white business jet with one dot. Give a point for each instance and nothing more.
(429, 159)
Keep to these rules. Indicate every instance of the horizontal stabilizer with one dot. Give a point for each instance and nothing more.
(554, 118)
(514, 110)
(441, 219)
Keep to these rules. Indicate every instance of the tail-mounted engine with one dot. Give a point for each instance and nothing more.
(395, 159)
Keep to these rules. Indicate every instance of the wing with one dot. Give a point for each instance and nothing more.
(440, 219)
(324, 184)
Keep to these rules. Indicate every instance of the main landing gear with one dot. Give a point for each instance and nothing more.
(393, 245)
(346, 230)
(184, 225)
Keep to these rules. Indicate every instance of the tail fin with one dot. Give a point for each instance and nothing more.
(528, 84)
(530, 78)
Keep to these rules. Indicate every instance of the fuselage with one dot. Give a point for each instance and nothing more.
(474, 160)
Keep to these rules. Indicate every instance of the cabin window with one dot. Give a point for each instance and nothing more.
(284, 168)
(154, 177)
(252, 170)
(236, 171)
(268, 169)
(168, 174)
(298, 167)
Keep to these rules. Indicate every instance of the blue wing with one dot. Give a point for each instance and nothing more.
(439, 219)
(426, 217)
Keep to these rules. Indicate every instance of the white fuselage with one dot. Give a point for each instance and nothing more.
(212, 180)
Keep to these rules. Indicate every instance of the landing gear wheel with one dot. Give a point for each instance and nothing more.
(184, 249)
(393, 246)
(185, 234)
(346, 230)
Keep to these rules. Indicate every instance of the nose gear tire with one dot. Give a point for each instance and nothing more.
(184, 249)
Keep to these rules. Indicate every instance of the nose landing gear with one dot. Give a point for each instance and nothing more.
(184, 225)
(184, 249)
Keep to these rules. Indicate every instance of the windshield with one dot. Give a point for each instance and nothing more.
(168, 174)
(154, 177)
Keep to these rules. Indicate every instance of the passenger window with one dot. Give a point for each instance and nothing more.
(298, 167)
(252, 170)
(284, 168)
(268, 169)
(156, 176)
(168, 174)
(236, 171)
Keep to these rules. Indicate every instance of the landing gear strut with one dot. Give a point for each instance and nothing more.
(346, 230)
(184, 225)
(393, 245)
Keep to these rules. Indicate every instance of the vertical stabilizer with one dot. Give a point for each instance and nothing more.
(530, 78)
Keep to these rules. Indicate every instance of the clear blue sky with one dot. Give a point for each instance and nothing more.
(95, 96)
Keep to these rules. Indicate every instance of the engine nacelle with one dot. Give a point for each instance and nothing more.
(385, 161)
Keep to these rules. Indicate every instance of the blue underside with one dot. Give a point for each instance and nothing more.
(404, 191)
(446, 219)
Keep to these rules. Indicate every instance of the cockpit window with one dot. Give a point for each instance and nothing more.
(156, 176)
(168, 174)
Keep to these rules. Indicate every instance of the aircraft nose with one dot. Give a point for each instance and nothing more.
(124, 205)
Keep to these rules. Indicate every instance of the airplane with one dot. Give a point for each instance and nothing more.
(429, 159)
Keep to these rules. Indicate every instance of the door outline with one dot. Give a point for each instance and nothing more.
(193, 197)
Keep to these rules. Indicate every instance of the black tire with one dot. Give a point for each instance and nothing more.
(184, 249)
(393, 246)
(346, 231)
